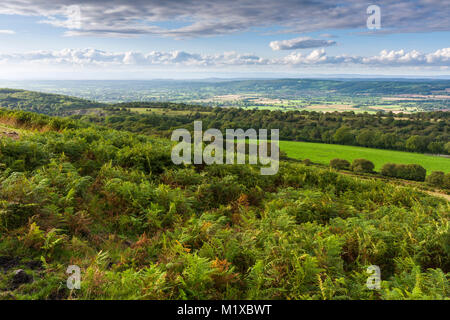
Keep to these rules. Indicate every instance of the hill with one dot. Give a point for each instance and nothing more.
(42, 102)
(139, 227)
(358, 95)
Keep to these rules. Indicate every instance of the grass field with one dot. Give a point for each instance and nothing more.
(323, 153)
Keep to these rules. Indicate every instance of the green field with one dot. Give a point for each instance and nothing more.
(323, 153)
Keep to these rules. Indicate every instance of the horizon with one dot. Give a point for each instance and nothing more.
(365, 77)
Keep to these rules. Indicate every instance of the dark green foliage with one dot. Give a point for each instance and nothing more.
(404, 171)
(389, 170)
(344, 135)
(362, 166)
(416, 143)
(23, 155)
(439, 179)
(436, 179)
(411, 172)
(14, 215)
(446, 182)
(340, 164)
(436, 147)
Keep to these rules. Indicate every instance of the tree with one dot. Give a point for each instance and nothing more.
(436, 147)
(388, 140)
(344, 135)
(366, 138)
(447, 147)
(416, 143)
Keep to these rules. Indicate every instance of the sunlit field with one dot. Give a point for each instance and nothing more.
(323, 153)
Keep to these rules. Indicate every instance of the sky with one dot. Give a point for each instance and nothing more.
(148, 39)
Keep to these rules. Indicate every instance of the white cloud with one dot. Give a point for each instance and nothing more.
(440, 57)
(105, 59)
(7, 32)
(296, 58)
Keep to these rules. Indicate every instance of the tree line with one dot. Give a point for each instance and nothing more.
(425, 132)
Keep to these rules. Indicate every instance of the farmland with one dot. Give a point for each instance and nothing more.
(325, 95)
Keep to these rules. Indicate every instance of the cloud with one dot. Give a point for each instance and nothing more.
(7, 32)
(196, 18)
(104, 59)
(300, 43)
(99, 58)
(440, 57)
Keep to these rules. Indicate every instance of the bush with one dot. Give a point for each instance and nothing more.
(389, 170)
(404, 171)
(412, 172)
(362, 165)
(436, 178)
(446, 182)
(340, 164)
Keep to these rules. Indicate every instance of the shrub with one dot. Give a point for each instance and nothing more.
(404, 171)
(362, 165)
(412, 172)
(446, 182)
(389, 170)
(436, 178)
(340, 164)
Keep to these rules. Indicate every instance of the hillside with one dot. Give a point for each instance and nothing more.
(16, 99)
(139, 227)
(144, 90)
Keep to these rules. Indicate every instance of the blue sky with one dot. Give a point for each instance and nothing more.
(94, 39)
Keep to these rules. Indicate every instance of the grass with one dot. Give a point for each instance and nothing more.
(323, 153)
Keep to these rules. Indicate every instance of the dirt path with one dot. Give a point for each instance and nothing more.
(438, 194)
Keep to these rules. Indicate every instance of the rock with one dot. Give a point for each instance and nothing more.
(21, 277)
